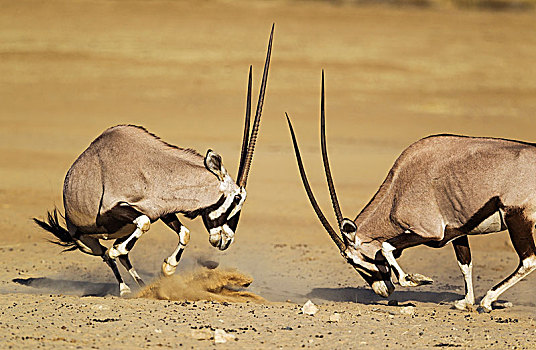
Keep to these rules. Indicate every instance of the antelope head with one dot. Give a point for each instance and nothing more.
(221, 219)
(360, 252)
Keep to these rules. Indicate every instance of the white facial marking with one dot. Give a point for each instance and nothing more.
(359, 263)
(239, 205)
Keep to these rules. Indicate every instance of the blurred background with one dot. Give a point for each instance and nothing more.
(396, 71)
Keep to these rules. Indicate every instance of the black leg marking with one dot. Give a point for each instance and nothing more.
(462, 250)
(125, 261)
(520, 229)
(463, 255)
(117, 217)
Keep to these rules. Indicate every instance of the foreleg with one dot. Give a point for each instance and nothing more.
(169, 265)
(404, 279)
(463, 255)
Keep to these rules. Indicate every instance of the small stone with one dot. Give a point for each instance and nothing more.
(221, 336)
(336, 317)
(393, 302)
(407, 310)
(100, 307)
(201, 334)
(309, 308)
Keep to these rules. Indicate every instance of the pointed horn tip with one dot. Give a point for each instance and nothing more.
(288, 119)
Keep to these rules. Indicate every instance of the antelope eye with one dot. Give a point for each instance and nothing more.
(237, 199)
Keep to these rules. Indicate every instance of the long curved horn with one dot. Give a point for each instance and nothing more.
(255, 129)
(245, 138)
(310, 194)
(325, 159)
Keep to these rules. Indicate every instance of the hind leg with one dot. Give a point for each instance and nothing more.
(463, 255)
(92, 246)
(123, 246)
(125, 261)
(520, 229)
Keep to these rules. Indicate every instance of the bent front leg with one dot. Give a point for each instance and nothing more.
(169, 266)
(404, 279)
(463, 255)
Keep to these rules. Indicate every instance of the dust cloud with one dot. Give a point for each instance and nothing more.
(220, 284)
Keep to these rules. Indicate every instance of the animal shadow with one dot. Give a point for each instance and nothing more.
(69, 287)
(364, 295)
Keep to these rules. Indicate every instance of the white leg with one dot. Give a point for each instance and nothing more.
(469, 300)
(123, 289)
(527, 266)
(170, 264)
(404, 279)
(143, 223)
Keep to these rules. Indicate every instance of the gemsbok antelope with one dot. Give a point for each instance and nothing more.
(440, 189)
(129, 178)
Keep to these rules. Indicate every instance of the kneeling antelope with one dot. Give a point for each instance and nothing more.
(440, 189)
(129, 178)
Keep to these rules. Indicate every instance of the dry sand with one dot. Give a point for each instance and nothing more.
(70, 69)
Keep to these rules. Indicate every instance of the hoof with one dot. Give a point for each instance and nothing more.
(501, 304)
(167, 269)
(124, 290)
(463, 305)
(414, 280)
(483, 309)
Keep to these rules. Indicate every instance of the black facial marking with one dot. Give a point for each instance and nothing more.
(237, 199)
(197, 212)
(222, 219)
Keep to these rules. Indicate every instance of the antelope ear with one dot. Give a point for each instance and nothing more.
(349, 229)
(214, 164)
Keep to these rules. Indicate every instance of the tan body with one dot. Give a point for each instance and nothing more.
(446, 180)
(128, 178)
(441, 189)
(154, 179)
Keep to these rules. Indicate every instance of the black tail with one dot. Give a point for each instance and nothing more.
(53, 226)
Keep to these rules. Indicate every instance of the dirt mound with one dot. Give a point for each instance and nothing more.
(203, 284)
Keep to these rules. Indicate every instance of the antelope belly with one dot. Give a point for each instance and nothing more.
(122, 232)
(493, 223)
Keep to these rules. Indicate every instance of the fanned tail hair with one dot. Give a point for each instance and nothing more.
(53, 226)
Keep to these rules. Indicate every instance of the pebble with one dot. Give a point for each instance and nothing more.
(221, 336)
(336, 317)
(309, 308)
(407, 310)
(204, 334)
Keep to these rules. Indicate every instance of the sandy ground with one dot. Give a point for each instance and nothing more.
(70, 69)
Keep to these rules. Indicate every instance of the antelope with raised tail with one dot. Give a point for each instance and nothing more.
(129, 178)
(441, 189)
